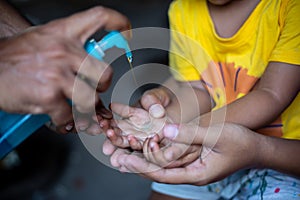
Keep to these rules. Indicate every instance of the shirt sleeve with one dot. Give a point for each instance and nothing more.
(288, 47)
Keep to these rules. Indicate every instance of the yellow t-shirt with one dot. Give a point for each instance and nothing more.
(230, 67)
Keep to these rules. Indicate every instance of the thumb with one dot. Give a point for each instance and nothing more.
(185, 133)
(157, 111)
(83, 24)
(154, 96)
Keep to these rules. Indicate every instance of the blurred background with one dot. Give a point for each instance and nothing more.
(50, 166)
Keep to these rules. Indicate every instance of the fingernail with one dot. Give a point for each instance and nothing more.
(171, 131)
(69, 127)
(109, 133)
(157, 111)
(130, 137)
(152, 145)
(102, 124)
(82, 128)
(96, 118)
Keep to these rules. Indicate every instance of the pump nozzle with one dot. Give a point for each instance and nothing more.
(114, 38)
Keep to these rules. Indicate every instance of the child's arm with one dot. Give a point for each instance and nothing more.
(277, 88)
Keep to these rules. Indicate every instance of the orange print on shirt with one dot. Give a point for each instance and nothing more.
(226, 83)
(225, 78)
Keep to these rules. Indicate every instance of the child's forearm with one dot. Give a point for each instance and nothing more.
(253, 111)
(11, 22)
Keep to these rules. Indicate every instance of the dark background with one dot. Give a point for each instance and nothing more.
(51, 166)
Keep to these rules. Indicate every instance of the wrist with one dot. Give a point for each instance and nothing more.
(265, 150)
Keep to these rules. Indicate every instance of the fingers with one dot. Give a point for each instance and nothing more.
(192, 174)
(114, 159)
(182, 155)
(150, 170)
(134, 143)
(171, 155)
(92, 123)
(157, 156)
(152, 97)
(154, 153)
(96, 74)
(86, 124)
(82, 25)
(196, 134)
(137, 116)
(57, 68)
(116, 139)
(79, 27)
(59, 120)
(108, 148)
(83, 96)
(136, 164)
(117, 21)
(122, 110)
(123, 141)
(94, 129)
(102, 111)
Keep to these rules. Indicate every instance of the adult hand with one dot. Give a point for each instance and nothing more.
(226, 149)
(39, 66)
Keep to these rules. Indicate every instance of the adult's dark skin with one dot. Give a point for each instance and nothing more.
(39, 67)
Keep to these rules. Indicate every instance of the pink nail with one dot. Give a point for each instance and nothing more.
(69, 127)
(171, 131)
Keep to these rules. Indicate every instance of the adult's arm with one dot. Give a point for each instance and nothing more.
(11, 22)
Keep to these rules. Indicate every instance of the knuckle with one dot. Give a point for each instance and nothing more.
(98, 9)
(105, 78)
(146, 97)
(48, 96)
(151, 94)
(59, 49)
(52, 75)
(149, 98)
(52, 27)
(38, 109)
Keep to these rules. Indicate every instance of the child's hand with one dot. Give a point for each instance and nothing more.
(166, 154)
(135, 126)
(155, 96)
